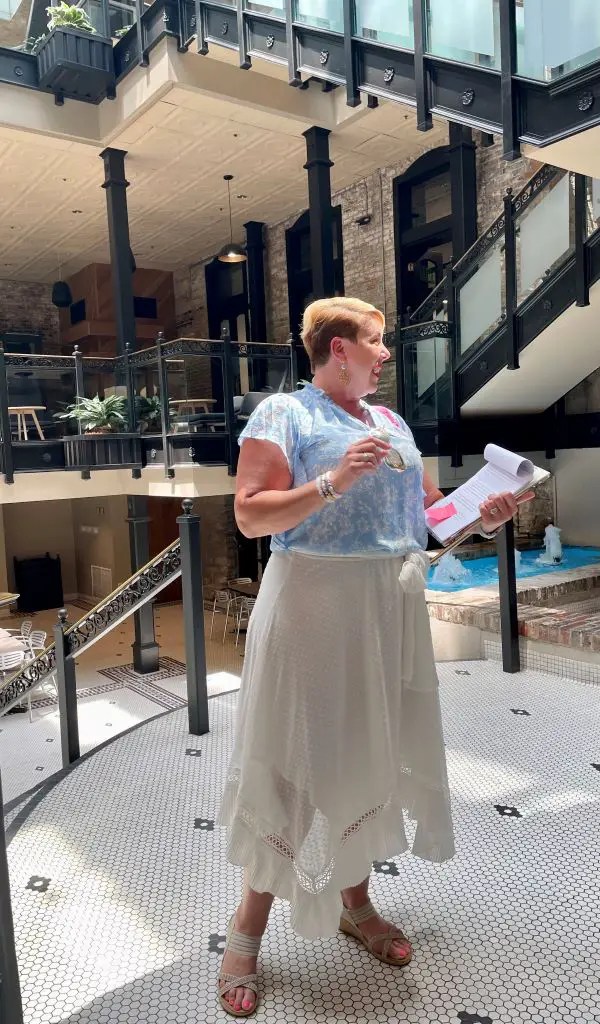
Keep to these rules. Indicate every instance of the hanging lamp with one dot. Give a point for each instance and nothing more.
(231, 253)
(61, 293)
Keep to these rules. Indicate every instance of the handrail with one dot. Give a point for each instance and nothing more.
(488, 238)
(130, 595)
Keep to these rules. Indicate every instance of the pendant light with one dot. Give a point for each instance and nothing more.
(231, 253)
(61, 293)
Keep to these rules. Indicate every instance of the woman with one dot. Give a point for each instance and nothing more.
(339, 727)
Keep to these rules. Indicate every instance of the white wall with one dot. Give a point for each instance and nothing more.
(577, 474)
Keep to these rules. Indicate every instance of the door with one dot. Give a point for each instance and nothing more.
(163, 530)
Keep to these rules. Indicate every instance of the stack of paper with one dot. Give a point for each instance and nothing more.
(504, 471)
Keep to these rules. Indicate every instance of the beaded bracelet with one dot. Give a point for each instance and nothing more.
(326, 489)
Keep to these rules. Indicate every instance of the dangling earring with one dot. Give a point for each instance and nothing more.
(344, 375)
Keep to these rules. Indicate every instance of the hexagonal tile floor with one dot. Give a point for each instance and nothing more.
(121, 892)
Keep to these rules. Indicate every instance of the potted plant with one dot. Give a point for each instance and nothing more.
(148, 413)
(97, 415)
(73, 60)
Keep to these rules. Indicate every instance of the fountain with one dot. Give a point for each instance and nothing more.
(518, 560)
(450, 569)
(553, 553)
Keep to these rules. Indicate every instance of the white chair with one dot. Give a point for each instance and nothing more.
(235, 602)
(36, 644)
(222, 599)
(36, 641)
(245, 611)
(24, 630)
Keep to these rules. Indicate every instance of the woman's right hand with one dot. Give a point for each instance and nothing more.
(362, 457)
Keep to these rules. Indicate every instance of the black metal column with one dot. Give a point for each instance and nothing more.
(510, 271)
(67, 692)
(257, 308)
(511, 146)
(319, 167)
(145, 647)
(422, 80)
(582, 265)
(453, 357)
(193, 619)
(11, 1007)
(350, 61)
(8, 467)
(463, 185)
(228, 401)
(116, 186)
(509, 620)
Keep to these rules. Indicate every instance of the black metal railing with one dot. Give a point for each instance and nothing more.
(178, 400)
(500, 80)
(530, 265)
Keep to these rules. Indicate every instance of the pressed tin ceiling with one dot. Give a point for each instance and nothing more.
(53, 209)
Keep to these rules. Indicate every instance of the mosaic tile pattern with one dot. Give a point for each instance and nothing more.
(168, 668)
(553, 664)
(121, 892)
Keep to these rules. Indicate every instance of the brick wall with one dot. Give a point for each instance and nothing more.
(494, 176)
(27, 306)
(369, 257)
(219, 550)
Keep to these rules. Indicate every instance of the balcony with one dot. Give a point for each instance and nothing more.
(182, 403)
(529, 69)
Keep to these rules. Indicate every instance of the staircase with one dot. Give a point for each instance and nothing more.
(513, 325)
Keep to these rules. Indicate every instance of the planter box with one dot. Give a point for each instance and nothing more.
(103, 451)
(77, 65)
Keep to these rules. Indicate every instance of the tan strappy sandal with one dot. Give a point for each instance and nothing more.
(243, 945)
(349, 924)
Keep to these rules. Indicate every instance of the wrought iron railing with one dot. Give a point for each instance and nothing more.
(149, 372)
(141, 587)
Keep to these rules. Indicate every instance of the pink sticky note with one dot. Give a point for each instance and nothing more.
(438, 515)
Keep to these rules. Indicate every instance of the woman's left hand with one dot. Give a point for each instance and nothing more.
(500, 508)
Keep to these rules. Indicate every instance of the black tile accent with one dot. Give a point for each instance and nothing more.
(597, 767)
(39, 768)
(385, 867)
(462, 672)
(508, 812)
(50, 739)
(216, 943)
(38, 884)
(193, 752)
(473, 1018)
(519, 711)
(204, 824)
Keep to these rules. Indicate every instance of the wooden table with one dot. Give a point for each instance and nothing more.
(6, 599)
(21, 412)
(193, 405)
(244, 589)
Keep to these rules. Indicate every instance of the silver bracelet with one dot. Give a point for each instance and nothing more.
(489, 536)
(326, 489)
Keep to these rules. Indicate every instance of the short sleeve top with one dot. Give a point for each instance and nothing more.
(383, 514)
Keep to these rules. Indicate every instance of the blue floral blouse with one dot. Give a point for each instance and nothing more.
(383, 514)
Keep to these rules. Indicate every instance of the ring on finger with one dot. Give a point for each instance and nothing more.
(366, 457)
(494, 511)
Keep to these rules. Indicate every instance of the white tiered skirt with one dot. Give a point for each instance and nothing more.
(339, 732)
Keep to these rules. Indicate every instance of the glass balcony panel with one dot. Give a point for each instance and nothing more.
(196, 394)
(39, 393)
(556, 37)
(327, 14)
(545, 234)
(481, 300)
(471, 36)
(385, 21)
(276, 9)
(426, 380)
